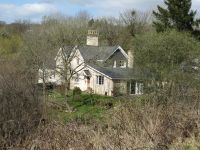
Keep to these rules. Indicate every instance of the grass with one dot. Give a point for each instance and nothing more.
(86, 107)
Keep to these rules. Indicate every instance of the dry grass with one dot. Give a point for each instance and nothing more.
(141, 123)
(20, 106)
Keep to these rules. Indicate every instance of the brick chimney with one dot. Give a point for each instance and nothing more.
(92, 38)
(130, 59)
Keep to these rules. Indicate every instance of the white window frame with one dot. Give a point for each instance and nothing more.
(139, 87)
(99, 80)
(122, 64)
(115, 64)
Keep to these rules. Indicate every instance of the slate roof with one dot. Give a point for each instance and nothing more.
(97, 53)
(123, 73)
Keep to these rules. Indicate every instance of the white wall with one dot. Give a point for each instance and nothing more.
(82, 83)
(96, 88)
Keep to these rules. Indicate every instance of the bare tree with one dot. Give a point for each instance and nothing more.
(136, 22)
(65, 68)
(39, 51)
(20, 104)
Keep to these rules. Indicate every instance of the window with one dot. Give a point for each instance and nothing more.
(139, 88)
(100, 80)
(115, 64)
(77, 78)
(136, 88)
(122, 64)
(78, 61)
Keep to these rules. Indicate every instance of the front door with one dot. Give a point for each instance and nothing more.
(88, 83)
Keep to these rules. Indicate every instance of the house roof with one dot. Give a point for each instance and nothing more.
(122, 73)
(97, 53)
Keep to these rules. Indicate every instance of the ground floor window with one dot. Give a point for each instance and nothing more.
(100, 80)
(136, 88)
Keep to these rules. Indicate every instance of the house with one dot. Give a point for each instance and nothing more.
(104, 70)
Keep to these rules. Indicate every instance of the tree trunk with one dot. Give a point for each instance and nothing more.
(65, 95)
(44, 97)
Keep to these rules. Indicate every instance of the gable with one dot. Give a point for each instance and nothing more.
(67, 51)
(117, 55)
(120, 50)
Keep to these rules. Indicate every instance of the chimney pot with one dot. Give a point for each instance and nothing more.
(92, 38)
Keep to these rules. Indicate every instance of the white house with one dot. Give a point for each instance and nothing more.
(101, 70)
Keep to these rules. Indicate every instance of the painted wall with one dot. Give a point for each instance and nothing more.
(106, 88)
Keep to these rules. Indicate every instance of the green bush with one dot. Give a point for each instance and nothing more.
(77, 91)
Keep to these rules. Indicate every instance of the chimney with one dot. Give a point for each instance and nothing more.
(130, 59)
(92, 38)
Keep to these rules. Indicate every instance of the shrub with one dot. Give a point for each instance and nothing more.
(77, 91)
(20, 105)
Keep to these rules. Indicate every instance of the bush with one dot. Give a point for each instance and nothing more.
(131, 125)
(20, 105)
(77, 91)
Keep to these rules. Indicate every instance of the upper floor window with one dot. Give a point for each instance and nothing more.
(115, 64)
(100, 80)
(77, 78)
(122, 64)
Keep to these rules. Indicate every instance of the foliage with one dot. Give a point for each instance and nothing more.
(136, 22)
(86, 108)
(77, 91)
(137, 123)
(163, 53)
(20, 105)
(178, 15)
(10, 45)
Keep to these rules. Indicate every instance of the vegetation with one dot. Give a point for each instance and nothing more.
(164, 53)
(20, 104)
(165, 117)
(86, 108)
(140, 123)
(177, 15)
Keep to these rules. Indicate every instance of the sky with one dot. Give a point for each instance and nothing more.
(34, 10)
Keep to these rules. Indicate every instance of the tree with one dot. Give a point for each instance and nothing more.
(178, 15)
(111, 31)
(38, 51)
(20, 103)
(43, 42)
(163, 53)
(136, 22)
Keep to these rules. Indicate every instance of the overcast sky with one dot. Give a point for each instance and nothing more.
(11, 10)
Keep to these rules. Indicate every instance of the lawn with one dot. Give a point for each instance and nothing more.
(85, 107)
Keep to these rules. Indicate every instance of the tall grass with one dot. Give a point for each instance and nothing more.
(154, 121)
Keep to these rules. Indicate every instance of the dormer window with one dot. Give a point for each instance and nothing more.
(122, 64)
(115, 64)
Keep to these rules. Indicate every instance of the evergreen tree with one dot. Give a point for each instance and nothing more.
(178, 15)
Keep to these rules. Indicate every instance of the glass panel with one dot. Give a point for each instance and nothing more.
(132, 87)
